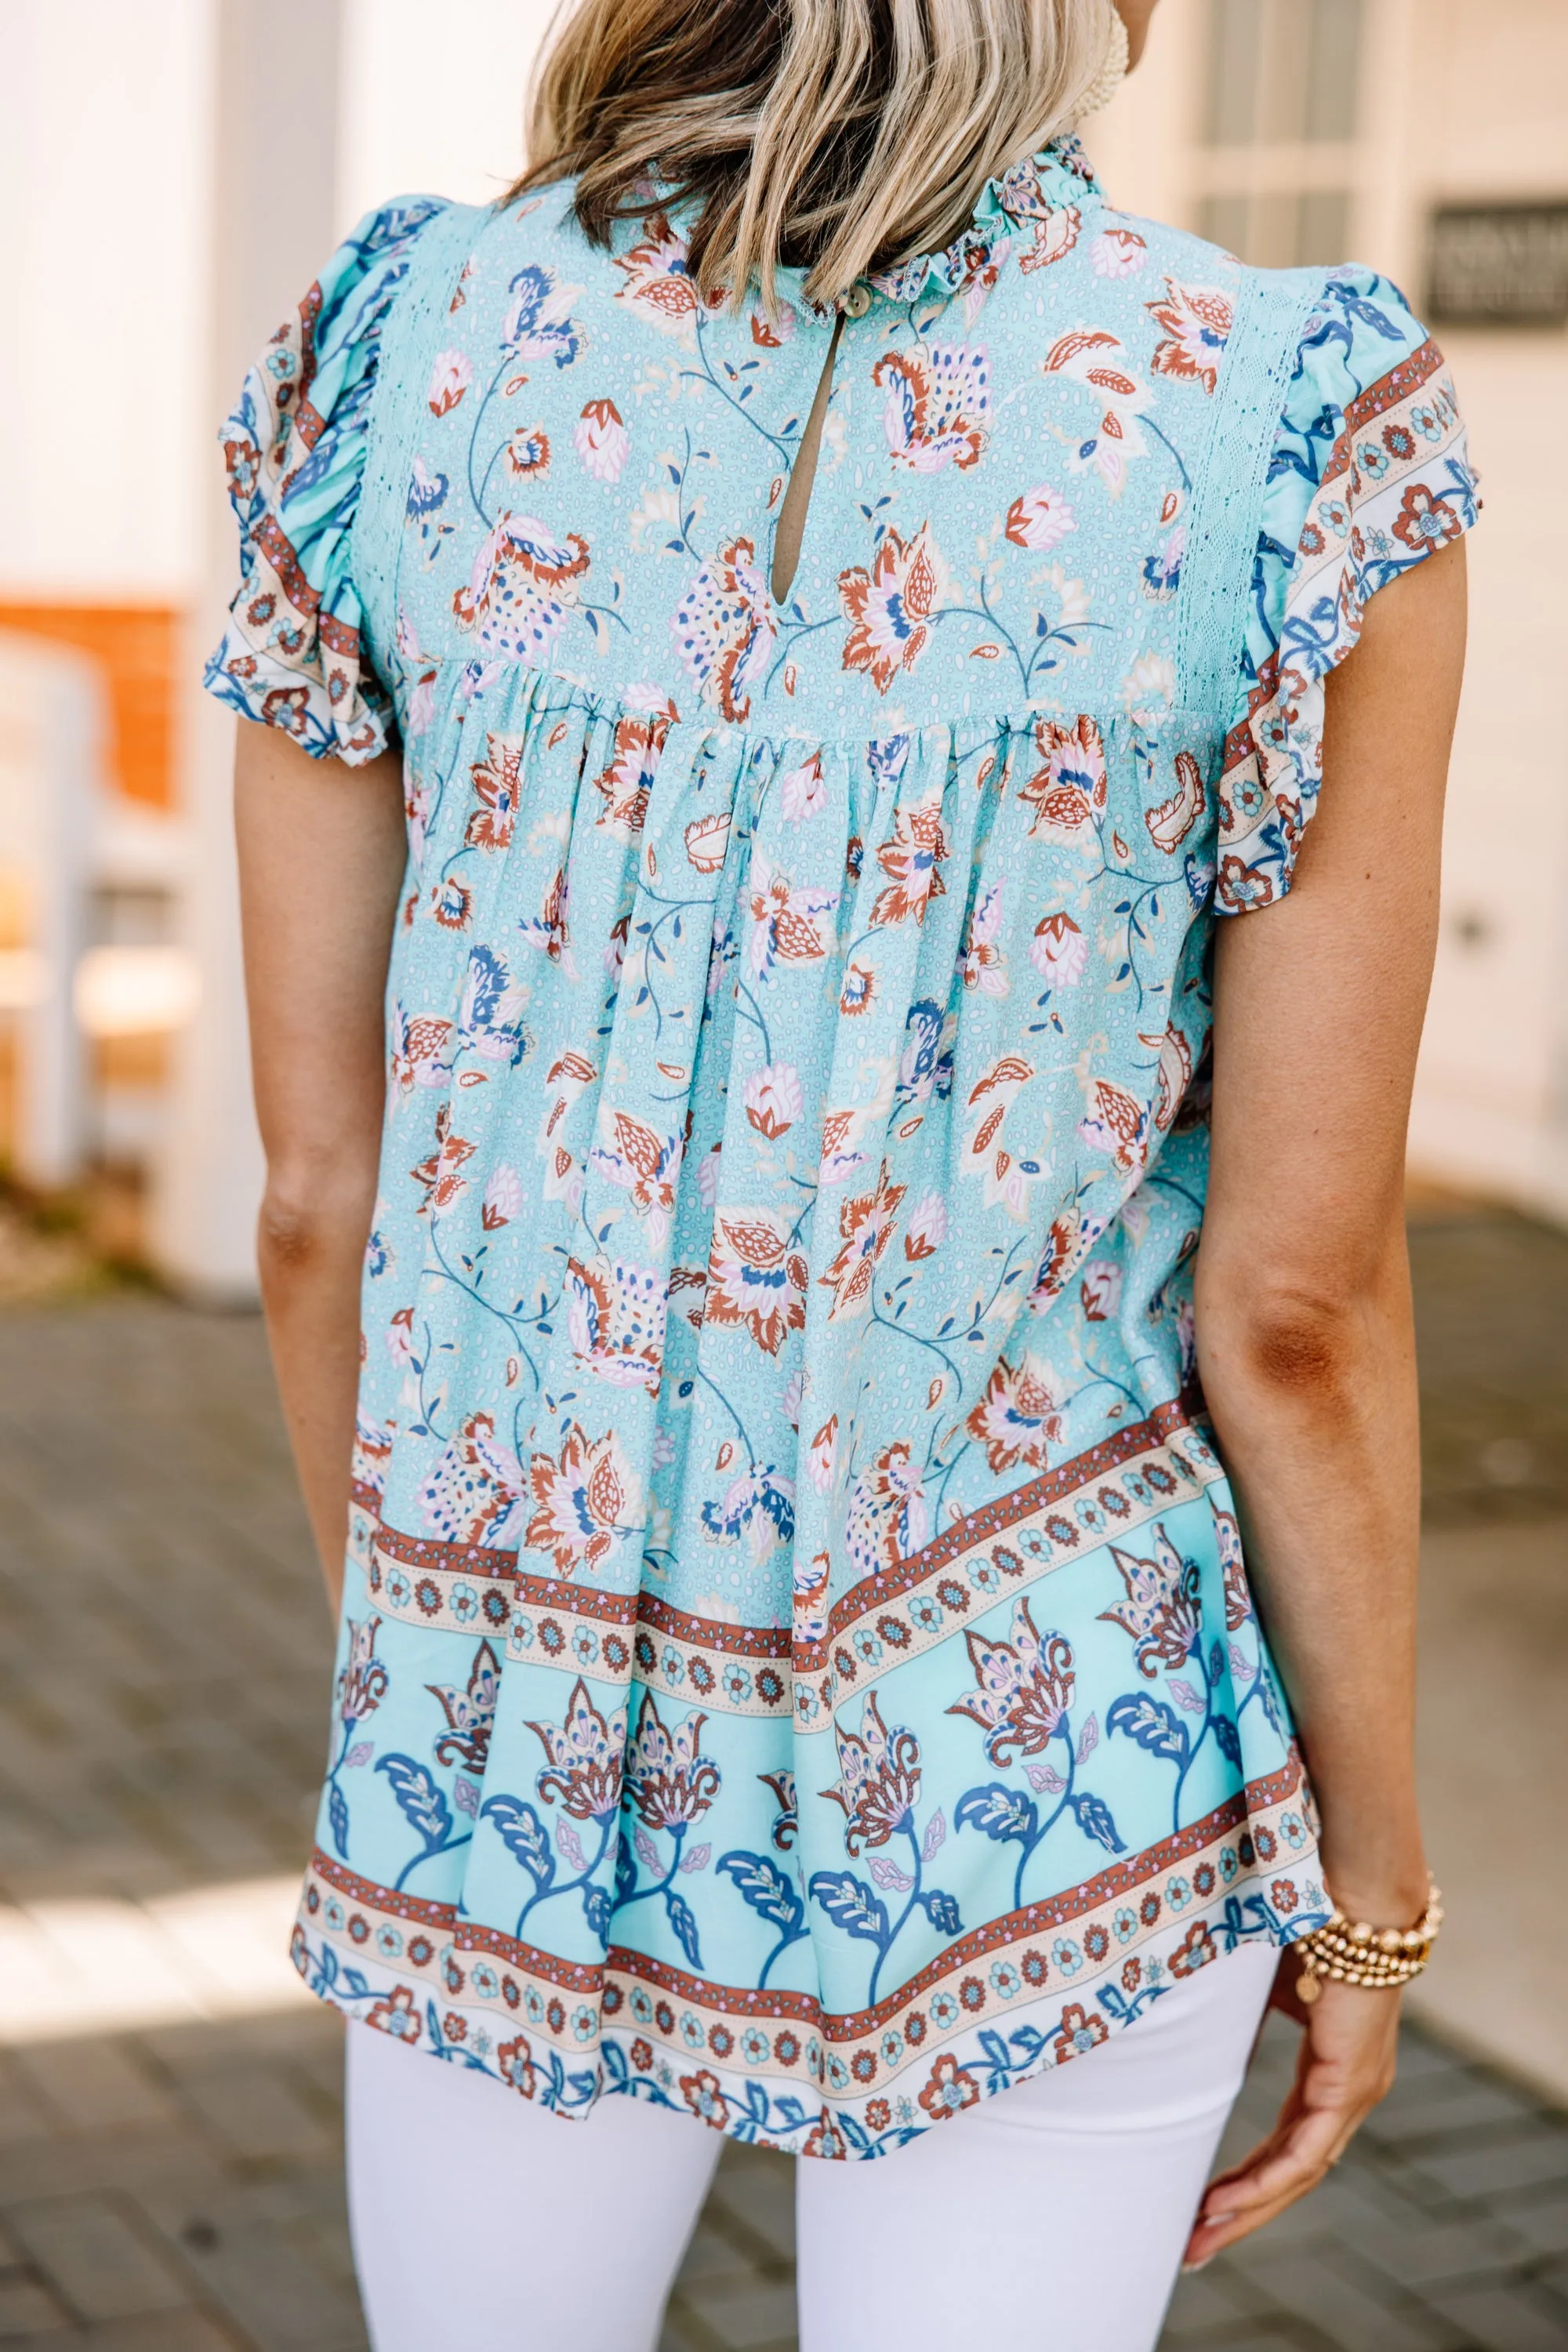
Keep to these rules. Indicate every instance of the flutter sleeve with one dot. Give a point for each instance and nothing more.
(1369, 475)
(294, 655)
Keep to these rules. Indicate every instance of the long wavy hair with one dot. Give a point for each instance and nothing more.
(840, 136)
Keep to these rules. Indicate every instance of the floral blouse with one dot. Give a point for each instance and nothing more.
(797, 1661)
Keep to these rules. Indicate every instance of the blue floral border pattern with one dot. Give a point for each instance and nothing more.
(1025, 1993)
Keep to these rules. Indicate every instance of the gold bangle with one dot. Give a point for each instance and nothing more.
(1349, 1951)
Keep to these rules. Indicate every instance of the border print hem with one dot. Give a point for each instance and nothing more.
(1029, 1991)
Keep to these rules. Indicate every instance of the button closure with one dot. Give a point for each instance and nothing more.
(858, 300)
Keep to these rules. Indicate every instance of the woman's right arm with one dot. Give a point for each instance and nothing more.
(1306, 1345)
(321, 854)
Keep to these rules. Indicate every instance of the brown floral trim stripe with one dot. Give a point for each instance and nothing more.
(734, 1641)
(1398, 384)
(310, 424)
(310, 310)
(340, 637)
(428, 1552)
(273, 543)
(1166, 1421)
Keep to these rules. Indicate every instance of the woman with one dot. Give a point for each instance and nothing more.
(812, 643)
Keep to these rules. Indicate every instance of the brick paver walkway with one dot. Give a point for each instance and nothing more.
(1491, 1312)
(164, 1670)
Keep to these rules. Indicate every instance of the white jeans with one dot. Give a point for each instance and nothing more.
(1052, 2215)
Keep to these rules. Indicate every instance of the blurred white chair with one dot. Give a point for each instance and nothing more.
(90, 885)
(52, 739)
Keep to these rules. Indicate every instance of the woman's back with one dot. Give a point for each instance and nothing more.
(779, 1348)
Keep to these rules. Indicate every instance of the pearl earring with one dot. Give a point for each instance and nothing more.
(1112, 73)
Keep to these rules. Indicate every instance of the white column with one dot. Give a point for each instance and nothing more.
(272, 216)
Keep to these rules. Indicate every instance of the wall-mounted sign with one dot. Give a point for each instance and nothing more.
(1498, 265)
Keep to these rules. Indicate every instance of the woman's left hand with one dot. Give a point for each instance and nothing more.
(1344, 2067)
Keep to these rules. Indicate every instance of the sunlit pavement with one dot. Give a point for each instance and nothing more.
(169, 2104)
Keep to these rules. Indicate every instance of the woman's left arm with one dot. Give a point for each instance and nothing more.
(1305, 1342)
(322, 854)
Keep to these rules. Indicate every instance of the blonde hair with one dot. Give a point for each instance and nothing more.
(840, 136)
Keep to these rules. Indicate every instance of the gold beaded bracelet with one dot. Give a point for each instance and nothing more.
(1349, 1952)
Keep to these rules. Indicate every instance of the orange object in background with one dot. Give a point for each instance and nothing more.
(138, 646)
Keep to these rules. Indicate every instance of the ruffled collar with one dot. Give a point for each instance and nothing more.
(1018, 201)
(1035, 199)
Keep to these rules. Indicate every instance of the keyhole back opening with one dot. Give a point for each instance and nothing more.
(791, 527)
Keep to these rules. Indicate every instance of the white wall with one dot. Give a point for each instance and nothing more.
(103, 167)
(436, 114)
(1140, 143)
(1493, 100)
